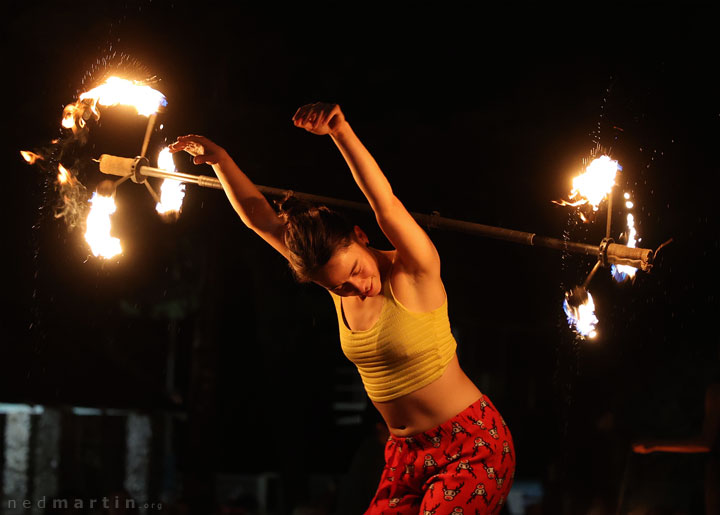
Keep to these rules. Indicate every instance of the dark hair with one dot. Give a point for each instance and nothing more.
(312, 234)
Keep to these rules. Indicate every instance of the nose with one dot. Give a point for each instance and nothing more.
(359, 285)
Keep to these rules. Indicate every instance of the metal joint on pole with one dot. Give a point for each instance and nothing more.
(603, 251)
(136, 175)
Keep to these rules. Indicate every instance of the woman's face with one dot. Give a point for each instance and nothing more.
(351, 271)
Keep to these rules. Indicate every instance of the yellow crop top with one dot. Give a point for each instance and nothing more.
(402, 352)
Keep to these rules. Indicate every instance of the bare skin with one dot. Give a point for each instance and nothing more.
(429, 406)
(357, 272)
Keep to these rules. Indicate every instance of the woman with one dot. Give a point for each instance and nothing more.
(449, 450)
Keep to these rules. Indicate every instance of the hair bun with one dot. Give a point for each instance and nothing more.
(312, 234)
(291, 206)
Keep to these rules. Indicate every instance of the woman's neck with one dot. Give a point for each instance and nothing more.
(384, 259)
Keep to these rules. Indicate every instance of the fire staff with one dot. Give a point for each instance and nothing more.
(393, 321)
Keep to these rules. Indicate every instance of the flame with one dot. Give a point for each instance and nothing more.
(98, 227)
(71, 112)
(114, 91)
(581, 317)
(30, 157)
(172, 192)
(64, 176)
(594, 184)
(623, 272)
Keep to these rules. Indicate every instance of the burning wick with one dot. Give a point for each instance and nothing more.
(172, 192)
(624, 272)
(594, 184)
(115, 91)
(98, 222)
(580, 310)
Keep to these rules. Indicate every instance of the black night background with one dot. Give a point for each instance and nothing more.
(482, 115)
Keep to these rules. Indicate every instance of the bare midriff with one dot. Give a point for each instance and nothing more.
(431, 405)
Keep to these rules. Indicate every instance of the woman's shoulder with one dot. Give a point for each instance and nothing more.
(418, 294)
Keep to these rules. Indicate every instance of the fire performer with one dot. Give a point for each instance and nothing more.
(392, 314)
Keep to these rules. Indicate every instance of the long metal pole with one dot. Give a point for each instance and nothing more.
(616, 253)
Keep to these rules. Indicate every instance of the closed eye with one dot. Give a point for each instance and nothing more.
(339, 289)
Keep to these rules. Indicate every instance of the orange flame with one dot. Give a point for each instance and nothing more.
(30, 157)
(64, 176)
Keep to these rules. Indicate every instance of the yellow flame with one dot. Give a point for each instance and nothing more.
(172, 192)
(64, 176)
(117, 91)
(68, 119)
(628, 271)
(114, 91)
(596, 182)
(582, 318)
(98, 227)
(165, 160)
(30, 157)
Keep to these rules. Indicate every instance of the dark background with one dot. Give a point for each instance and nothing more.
(481, 115)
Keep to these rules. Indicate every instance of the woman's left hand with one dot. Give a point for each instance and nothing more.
(319, 118)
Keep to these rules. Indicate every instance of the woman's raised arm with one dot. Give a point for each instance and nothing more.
(249, 203)
(415, 249)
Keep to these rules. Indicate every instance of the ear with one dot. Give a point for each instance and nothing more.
(361, 236)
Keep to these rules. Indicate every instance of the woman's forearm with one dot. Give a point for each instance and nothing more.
(414, 249)
(252, 206)
(365, 170)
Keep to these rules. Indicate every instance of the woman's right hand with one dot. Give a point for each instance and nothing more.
(202, 149)
(319, 118)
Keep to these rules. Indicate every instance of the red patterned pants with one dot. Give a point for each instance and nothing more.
(464, 466)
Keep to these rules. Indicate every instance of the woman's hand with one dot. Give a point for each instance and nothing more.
(319, 118)
(202, 149)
